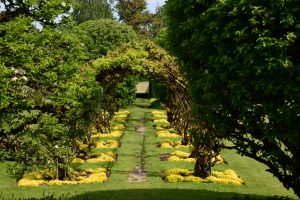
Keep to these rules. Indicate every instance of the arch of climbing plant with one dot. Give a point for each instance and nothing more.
(148, 60)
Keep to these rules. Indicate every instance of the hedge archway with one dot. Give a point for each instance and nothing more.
(148, 60)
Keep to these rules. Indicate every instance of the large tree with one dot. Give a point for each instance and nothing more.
(92, 9)
(135, 14)
(241, 59)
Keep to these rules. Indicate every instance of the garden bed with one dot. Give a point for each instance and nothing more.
(184, 175)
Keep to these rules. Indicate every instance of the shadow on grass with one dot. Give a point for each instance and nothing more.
(166, 194)
(149, 194)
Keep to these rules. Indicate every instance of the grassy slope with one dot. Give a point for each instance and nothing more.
(259, 184)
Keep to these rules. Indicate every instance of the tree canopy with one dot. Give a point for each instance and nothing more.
(135, 14)
(241, 62)
(90, 10)
(103, 35)
(44, 12)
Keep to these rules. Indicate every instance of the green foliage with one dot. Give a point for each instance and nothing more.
(100, 37)
(91, 10)
(47, 97)
(126, 91)
(103, 35)
(44, 12)
(241, 59)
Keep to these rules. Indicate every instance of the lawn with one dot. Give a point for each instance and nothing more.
(141, 150)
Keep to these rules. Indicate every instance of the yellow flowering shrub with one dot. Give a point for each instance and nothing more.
(96, 177)
(180, 154)
(119, 120)
(158, 112)
(161, 121)
(194, 179)
(118, 127)
(78, 160)
(61, 182)
(97, 170)
(88, 176)
(166, 134)
(184, 175)
(111, 134)
(33, 175)
(178, 171)
(172, 145)
(174, 178)
(123, 112)
(110, 144)
(28, 182)
(166, 145)
(178, 144)
(103, 157)
(177, 159)
(220, 160)
(121, 116)
(159, 116)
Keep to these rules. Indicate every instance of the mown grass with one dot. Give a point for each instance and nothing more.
(259, 183)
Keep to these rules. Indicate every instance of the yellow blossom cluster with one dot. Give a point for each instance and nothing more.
(159, 115)
(160, 119)
(115, 134)
(109, 144)
(98, 157)
(91, 176)
(180, 156)
(177, 159)
(184, 175)
(103, 157)
(121, 116)
(220, 160)
(78, 160)
(178, 171)
(166, 134)
(170, 144)
(118, 127)
(123, 112)
(161, 123)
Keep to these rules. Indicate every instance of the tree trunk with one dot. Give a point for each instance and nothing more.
(61, 173)
(202, 167)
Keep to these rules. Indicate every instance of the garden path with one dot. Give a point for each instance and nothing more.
(131, 155)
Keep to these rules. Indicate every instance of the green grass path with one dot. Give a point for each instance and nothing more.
(259, 184)
(130, 152)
